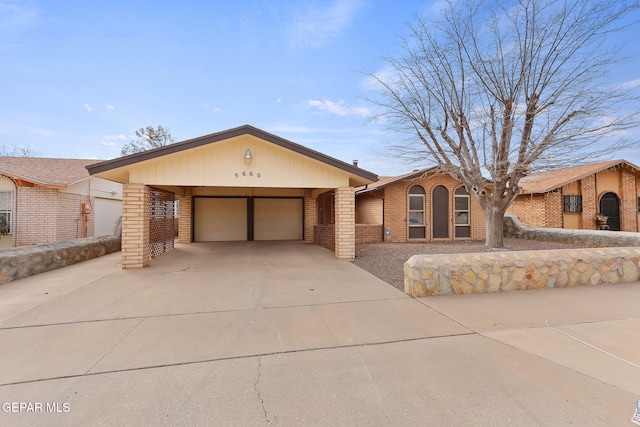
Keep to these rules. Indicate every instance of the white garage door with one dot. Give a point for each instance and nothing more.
(277, 219)
(220, 219)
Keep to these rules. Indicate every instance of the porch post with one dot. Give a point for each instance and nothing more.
(310, 214)
(185, 223)
(345, 223)
(135, 226)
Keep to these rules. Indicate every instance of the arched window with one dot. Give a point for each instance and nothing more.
(462, 213)
(416, 212)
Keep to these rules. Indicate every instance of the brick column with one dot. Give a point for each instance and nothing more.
(345, 223)
(310, 215)
(554, 209)
(629, 201)
(135, 226)
(185, 225)
(589, 202)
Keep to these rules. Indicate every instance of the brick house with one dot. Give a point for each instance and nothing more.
(50, 200)
(571, 197)
(420, 206)
(241, 184)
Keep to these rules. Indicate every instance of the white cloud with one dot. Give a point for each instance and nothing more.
(631, 84)
(278, 100)
(339, 108)
(87, 107)
(313, 26)
(110, 107)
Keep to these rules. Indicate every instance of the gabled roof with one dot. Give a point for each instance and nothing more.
(545, 182)
(53, 173)
(385, 181)
(224, 135)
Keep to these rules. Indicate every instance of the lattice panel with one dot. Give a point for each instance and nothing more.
(161, 222)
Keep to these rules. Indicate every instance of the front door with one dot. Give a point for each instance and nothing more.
(610, 207)
(440, 212)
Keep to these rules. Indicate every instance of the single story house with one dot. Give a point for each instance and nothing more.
(572, 197)
(49, 200)
(420, 206)
(236, 185)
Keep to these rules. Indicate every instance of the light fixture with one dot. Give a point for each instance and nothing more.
(247, 156)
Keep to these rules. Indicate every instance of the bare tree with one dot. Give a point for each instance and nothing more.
(19, 151)
(504, 88)
(147, 139)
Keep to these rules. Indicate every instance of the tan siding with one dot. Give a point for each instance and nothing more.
(223, 164)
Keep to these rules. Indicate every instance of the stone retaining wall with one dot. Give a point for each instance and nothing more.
(514, 228)
(17, 263)
(426, 275)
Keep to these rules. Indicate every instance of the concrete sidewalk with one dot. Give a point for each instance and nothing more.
(282, 333)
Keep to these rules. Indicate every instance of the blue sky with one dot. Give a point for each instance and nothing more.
(77, 78)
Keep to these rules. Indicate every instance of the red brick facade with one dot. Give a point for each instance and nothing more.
(394, 199)
(546, 208)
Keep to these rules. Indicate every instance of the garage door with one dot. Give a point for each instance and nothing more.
(220, 219)
(277, 219)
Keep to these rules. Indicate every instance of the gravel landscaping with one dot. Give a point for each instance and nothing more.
(386, 260)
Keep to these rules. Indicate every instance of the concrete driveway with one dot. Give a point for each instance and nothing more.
(282, 333)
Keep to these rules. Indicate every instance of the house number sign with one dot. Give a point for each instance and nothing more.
(247, 173)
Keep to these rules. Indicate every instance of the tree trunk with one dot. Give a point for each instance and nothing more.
(494, 218)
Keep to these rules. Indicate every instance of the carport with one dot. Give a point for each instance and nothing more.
(242, 184)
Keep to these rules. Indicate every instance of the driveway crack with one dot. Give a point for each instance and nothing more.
(260, 398)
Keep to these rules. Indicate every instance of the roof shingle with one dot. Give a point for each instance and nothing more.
(46, 172)
(545, 182)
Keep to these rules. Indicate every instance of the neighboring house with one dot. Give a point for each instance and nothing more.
(420, 206)
(242, 184)
(51, 200)
(571, 197)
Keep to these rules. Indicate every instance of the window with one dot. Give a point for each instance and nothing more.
(6, 203)
(416, 212)
(572, 203)
(462, 213)
(462, 206)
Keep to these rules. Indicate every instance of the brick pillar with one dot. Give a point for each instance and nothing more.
(135, 226)
(589, 202)
(554, 209)
(629, 200)
(310, 215)
(345, 223)
(185, 225)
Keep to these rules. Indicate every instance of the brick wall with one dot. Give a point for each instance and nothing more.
(369, 233)
(345, 222)
(135, 226)
(369, 209)
(554, 208)
(396, 198)
(629, 202)
(185, 219)
(310, 215)
(44, 215)
(324, 235)
(589, 202)
(530, 208)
